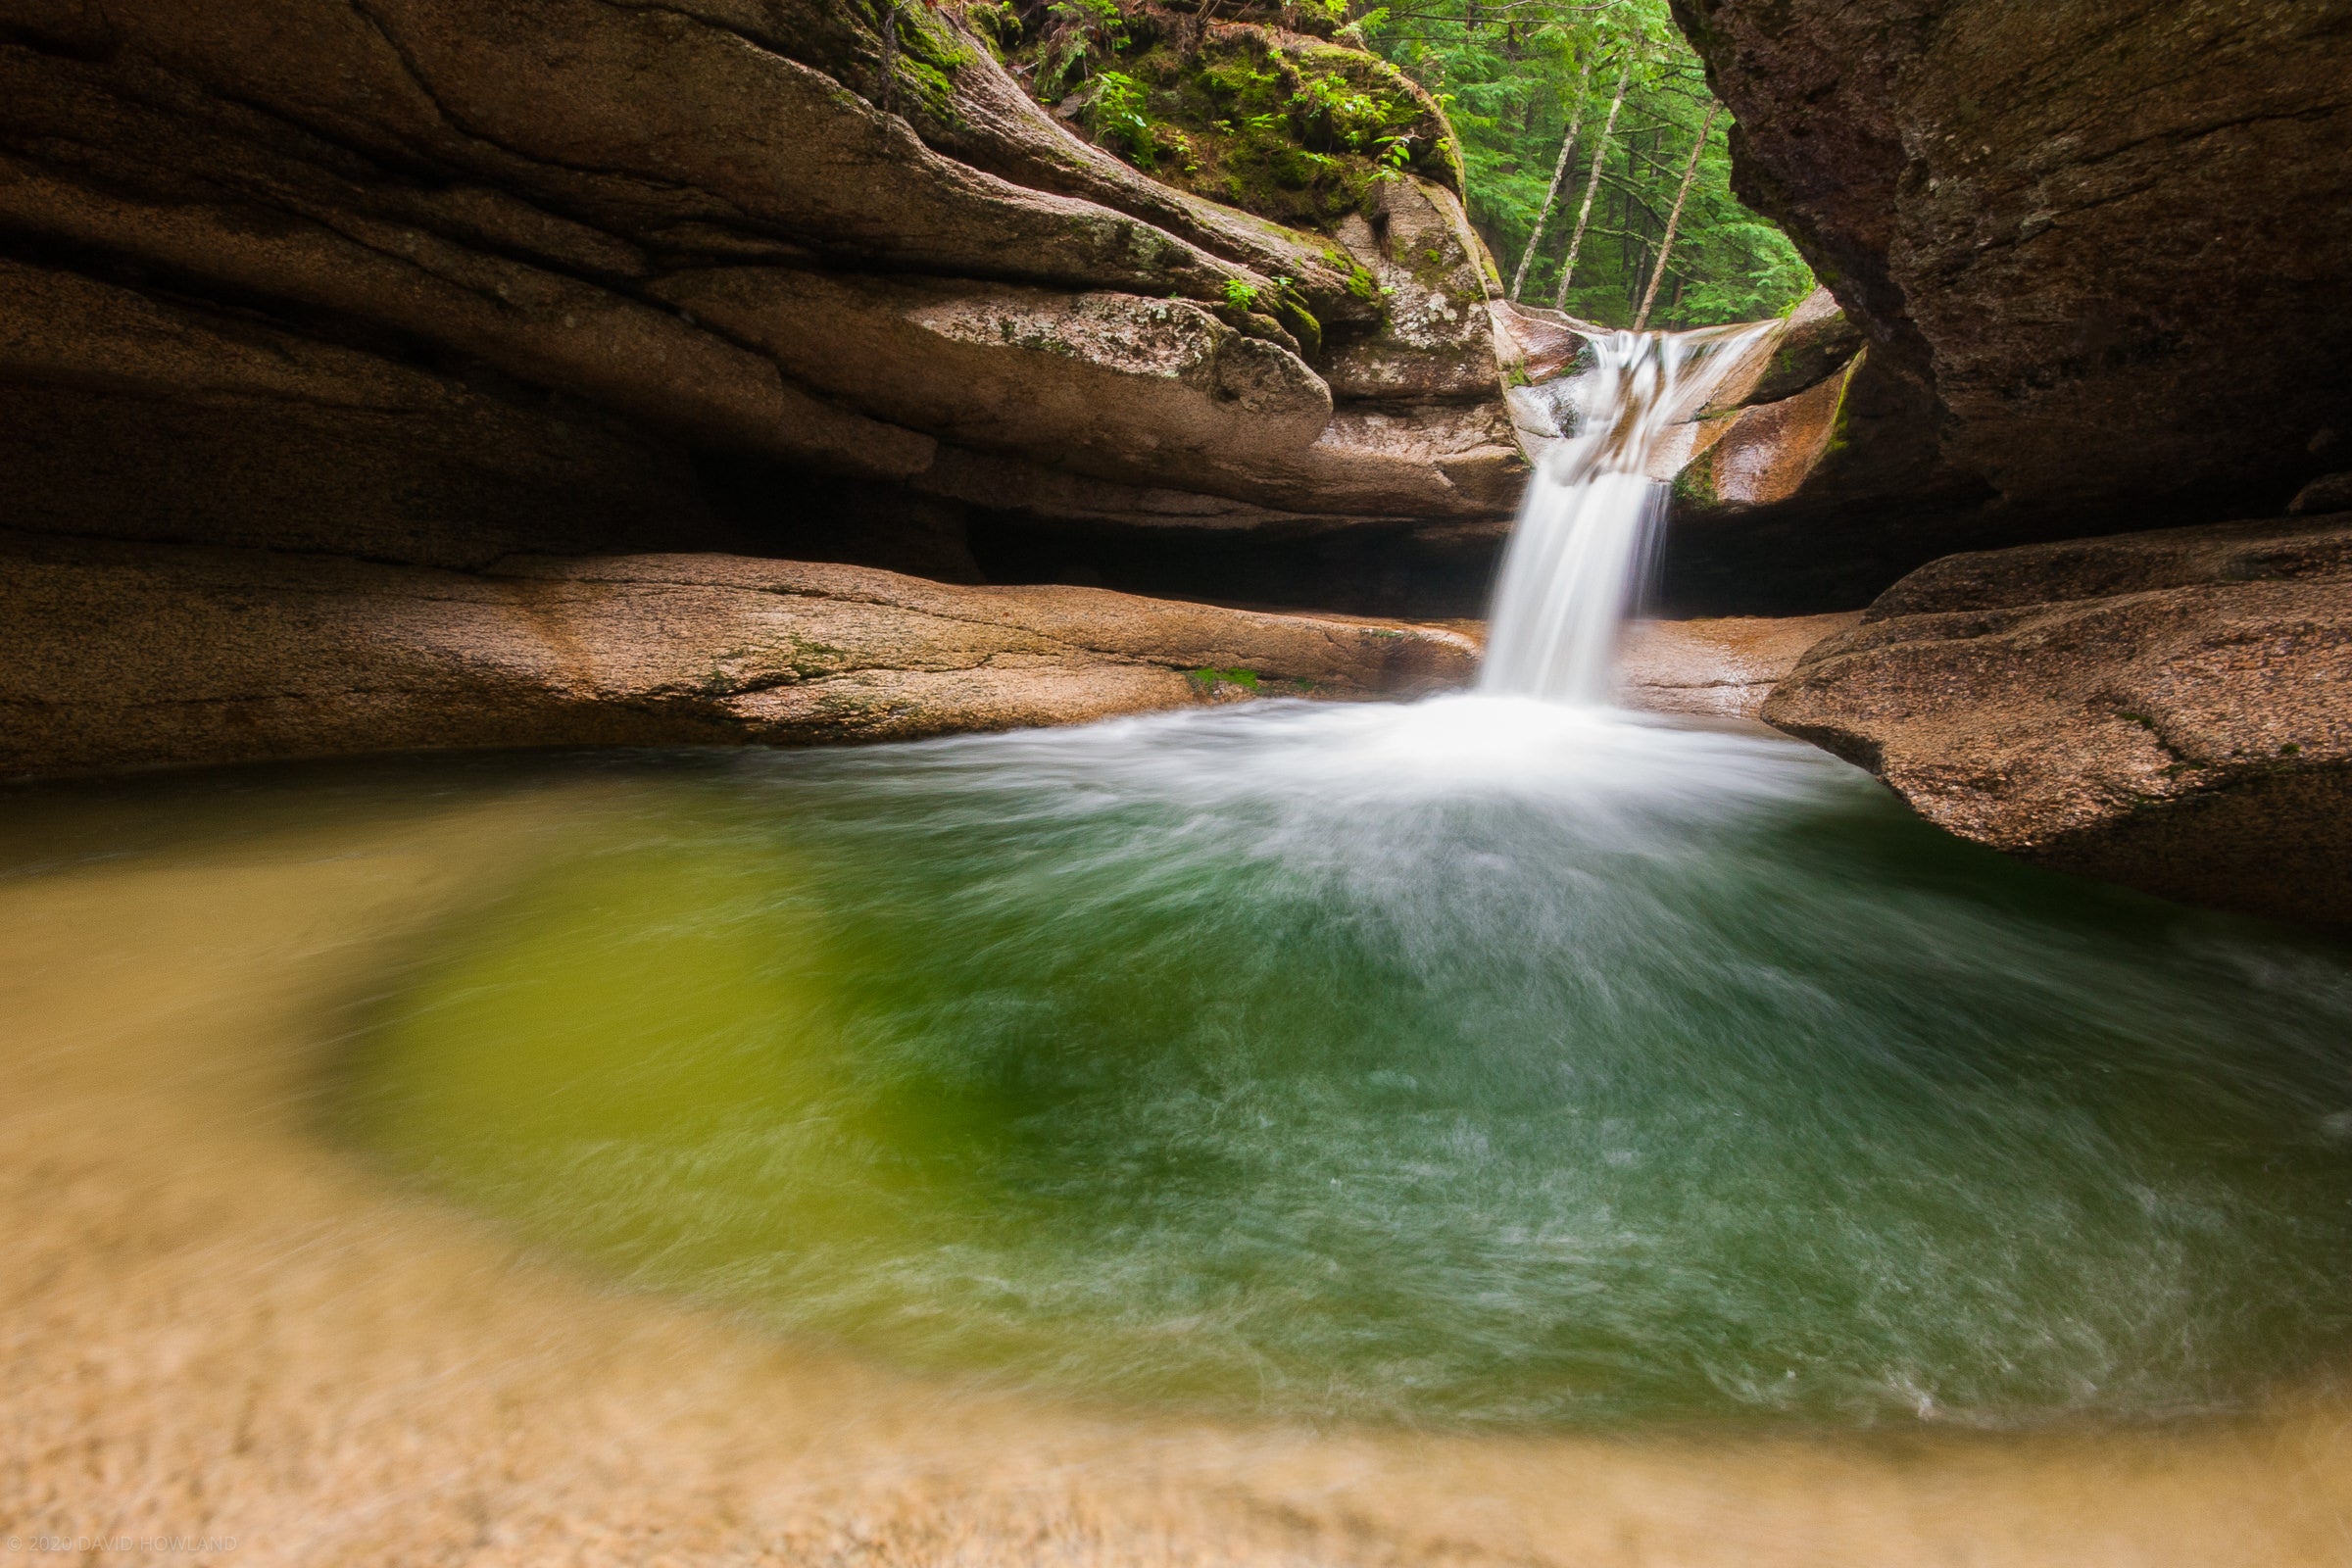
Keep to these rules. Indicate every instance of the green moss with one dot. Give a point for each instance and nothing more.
(929, 53)
(1289, 129)
(999, 26)
(1210, 683)
(1694, 486)
(1841, 419)
(1291, 312)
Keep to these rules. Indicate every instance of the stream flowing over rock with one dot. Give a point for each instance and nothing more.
(2171, 710)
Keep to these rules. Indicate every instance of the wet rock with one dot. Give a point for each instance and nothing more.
(120, 655)
(1810, 480)
(1815, 342)
(1720, 667)
(1538, 345)
(2171, 710)
(1765, 453)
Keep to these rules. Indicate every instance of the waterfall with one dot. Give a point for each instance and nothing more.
(1587, 528)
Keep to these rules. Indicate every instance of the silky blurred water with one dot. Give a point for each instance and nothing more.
(1470, 1061)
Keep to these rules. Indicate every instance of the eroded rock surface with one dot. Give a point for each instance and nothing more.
(117, 655)
(2100, 250)
(2171, 710)
(1717, 668)
(464, 247)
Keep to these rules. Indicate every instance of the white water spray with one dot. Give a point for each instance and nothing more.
(1590, 522)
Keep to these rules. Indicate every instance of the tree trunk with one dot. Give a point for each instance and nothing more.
(1674, 219)
(1559, 171)
(1576, 243)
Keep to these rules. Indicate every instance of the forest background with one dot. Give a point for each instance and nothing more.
(1513, 76)
(1594, 158)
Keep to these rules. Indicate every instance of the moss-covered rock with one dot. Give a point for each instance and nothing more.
(1252, 113)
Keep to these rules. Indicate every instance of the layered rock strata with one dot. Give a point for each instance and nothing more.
(119, 655)
(515, 273)
(2171, 710)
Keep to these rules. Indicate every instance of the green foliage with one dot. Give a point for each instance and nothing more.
(1274, 123)
(998, 23)
(1076, 32)
(1240, 295)
(1510, 80)
(1115, 116)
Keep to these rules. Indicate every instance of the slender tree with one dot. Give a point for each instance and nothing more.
(1559, 172)
(1674, 219)
(1600, 149)
(1525, 63)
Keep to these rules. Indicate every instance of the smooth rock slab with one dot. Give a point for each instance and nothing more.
(124, 654)
(1717, 668)
(2170, 711)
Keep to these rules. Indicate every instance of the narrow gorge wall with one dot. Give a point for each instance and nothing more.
(2100, 249)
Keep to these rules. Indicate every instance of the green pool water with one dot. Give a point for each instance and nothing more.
(1469, 1062)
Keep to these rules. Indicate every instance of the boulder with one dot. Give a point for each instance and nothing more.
(117, 655)
(2099, 252)
(2171, 709)
(1439, 339)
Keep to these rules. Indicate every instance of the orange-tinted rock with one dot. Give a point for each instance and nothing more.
(1764, 453)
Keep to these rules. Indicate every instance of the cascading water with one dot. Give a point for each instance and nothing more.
(1498, 1058)
(1586, 530)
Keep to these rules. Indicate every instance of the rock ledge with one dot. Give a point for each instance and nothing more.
(2170, 711)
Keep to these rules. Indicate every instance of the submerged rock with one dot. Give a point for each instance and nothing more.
(117, 655)
(2171, 710)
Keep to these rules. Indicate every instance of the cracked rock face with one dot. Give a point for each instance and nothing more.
(2107, 240)
(116, 655)
(2171, 710)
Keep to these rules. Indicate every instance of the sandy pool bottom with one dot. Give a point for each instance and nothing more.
(217, 1327)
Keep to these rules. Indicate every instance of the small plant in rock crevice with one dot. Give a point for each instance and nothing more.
(1115, 114)
(1076, 32)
